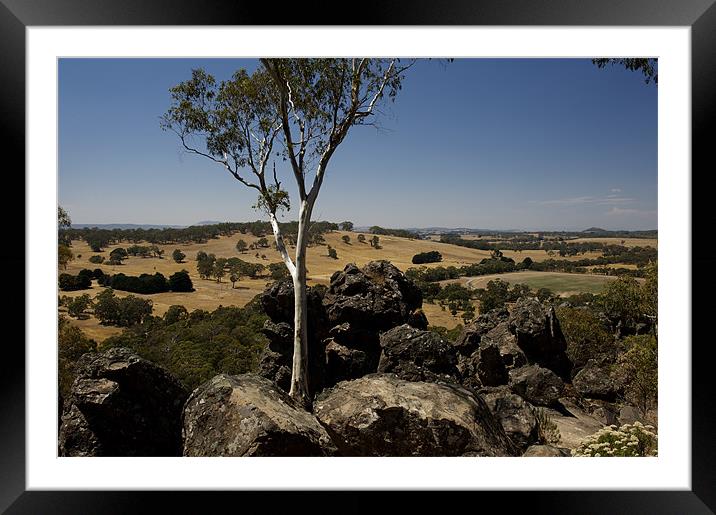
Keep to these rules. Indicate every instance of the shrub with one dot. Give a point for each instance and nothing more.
(640, 366)
(332, 252)
(587, 337)
(69, 282)
(547, 430)
(178, 255)
(71, 344)
(77, 306)
(627, 440)
(145, 283)
(277, 271)
(125, 312)
(174, 314)
(180, 282)
(427, 257)
(97, 260)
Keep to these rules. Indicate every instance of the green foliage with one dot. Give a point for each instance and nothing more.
(448, 334)
(175, 313)
(180, 282)
(587, 337)
(640, 366)
(196, 347)
(332, 252)
(375, 242)
(69, 282)
(346, 226)
(146, 283)
(277, 271)
(64, 255)
(241, 246)
(123, 312)
(98, 260)
(627, 440)
(361, 238)
(622, 301)
(72, 344)
(118, 255)
(77, 307)
(427, 257)
(205, 264)
(346, 239)
(178, 256)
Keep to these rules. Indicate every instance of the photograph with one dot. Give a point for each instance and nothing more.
(358, 257)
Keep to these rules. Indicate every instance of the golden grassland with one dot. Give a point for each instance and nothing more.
(210, 294)
(627, 242)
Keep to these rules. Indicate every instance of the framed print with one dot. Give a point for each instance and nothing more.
(285, 266)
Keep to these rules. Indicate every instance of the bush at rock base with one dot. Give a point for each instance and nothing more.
(627, 440)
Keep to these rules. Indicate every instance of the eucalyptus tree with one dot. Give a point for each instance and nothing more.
(294, 110)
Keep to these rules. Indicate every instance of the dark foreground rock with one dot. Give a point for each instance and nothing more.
(382, 415)
(537, 385)
(514, 413)
(122, 405)
(416, 355)
(248, 415)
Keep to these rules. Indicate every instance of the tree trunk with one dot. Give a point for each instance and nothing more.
(299, 372)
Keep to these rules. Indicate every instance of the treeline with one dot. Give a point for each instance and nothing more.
(99, 239)
(145, 283)
(402, 233)
(494, 265)
(552, 247)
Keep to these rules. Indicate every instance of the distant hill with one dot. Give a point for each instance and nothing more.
(594, 229)
(127, 226)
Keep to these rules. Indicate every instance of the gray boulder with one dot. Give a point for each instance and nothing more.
(122, 405)
(537, 385)
(416, 355)
(516, 416)
(383, 415)
(598, 381)
(472, 333)
(248, 415)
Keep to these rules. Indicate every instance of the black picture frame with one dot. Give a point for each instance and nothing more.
(700, 15)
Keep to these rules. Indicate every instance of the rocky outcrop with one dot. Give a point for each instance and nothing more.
(122, 405)
(345, 321)
(376, 297)
(382, 415)
(598, 381)
(514, 413)
(500, 341)
(248, 415)
(537, 385)
(416, 355)
(539, 335)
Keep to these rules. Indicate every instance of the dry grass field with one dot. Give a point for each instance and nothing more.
(209, 294)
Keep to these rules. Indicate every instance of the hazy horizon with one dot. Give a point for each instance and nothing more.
(493, 144)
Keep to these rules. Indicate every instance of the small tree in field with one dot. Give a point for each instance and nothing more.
(310, 105)
(332, 252)
(178, 256)
(241, 246)
(346, 226)
(361, 238)
(346, 239)
(375, 242)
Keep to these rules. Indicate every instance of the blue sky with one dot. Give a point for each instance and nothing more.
(484, 143)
